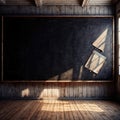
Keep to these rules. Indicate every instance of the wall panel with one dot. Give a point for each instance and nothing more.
(57, 90)
(51, 90)
(57, 10)
(55, 2)
(117, 49)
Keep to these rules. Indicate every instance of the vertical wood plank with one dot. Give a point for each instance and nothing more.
(76, 90)
(2, 49)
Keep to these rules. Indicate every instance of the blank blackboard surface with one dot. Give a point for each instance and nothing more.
(43, 48)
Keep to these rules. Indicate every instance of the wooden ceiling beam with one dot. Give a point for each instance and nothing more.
(85, 3)
(38, 3)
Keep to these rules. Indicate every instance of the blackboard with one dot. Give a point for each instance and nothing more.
(57, 48)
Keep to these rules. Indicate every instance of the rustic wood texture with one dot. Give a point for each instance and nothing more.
(56, 2)
(57, 90)
(19, 2)
(100, 2)
(85, 3)
(57, 10)
(118, 87)
(117, 49)
(38, 3)
(118, 9)
(62, 2)
(59, 110)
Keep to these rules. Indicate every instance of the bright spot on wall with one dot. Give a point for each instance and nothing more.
(67, 75)
(95, 62)
(100, 42)
(25, 93)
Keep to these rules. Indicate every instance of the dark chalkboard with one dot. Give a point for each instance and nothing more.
(42, 48)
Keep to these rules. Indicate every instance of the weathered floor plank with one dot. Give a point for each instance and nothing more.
(59, 110)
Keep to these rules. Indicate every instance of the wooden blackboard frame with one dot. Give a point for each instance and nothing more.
(76, 16)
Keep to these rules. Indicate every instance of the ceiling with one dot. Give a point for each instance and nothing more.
(57, 2)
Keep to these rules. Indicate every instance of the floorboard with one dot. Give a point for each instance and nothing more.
(59, 110)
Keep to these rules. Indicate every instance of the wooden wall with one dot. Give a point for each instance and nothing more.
(57, 10)
(65, 90)
(57, 90)
(54, 2)
(117, 49)
(118, 9)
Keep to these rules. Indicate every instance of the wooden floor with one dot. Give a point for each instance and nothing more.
(59, 110)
